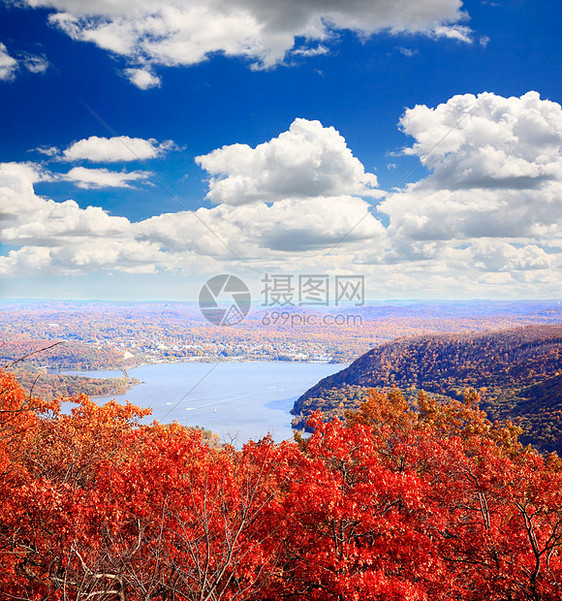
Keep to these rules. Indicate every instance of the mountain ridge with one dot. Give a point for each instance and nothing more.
(516, 371)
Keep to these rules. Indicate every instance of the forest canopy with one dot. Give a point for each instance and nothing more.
(388, 504)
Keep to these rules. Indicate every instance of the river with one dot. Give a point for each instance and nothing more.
(238, 401)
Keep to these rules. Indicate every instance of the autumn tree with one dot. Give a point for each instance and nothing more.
(424, 500)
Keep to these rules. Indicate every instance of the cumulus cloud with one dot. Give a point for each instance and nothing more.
(488, 140)
(296, 225)
(52, 220)
(8, 64)
(495, 170)
(17, 196)
(62, 237)
(496, 256)
(306, 161)
(489, 212)
(119, 148)
(259, 231)
(28, 218)
(84, 257)
(103, 178)
(489, 226)
(164, 32)
(142, 78)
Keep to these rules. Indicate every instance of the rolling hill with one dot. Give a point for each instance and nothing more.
(518, 373)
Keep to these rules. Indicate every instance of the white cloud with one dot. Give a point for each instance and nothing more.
(260, 231)
(34, 63)
(119, 148)
(494, 256)
(489, 213)
(306, 161)
(26, 217)
(406, 51)
(484, 40)
(17, 196)
(164, 32)
(495, 170)
(488, 140)
(61, 237)
(8, 64)
(103, 178)
(297, 225)
(29, 259)
(52, 220)
(489, 227)
(317, 51)
(49, 151)
(461, 33)
(87, 256)
(142, 78)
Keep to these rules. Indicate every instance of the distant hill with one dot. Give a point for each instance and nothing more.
(518, 373)
(31, 365)
(67, 354)
(48, 386)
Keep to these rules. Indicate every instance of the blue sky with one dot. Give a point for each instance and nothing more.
(286, 128)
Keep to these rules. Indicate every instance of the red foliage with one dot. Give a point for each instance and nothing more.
(394, 504)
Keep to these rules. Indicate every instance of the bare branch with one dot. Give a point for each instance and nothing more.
(8, 365)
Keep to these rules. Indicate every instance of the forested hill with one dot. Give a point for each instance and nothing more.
(518, 373)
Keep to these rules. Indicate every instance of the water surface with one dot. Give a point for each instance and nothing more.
(238, 401)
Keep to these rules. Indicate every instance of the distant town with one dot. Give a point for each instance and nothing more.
(101, 335)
